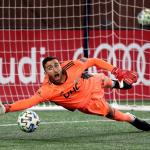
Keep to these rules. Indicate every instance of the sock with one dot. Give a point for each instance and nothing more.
(119, 116)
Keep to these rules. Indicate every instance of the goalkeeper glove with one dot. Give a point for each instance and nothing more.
(127, 76)
(2, 109)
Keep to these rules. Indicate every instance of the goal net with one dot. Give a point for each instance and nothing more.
(116, 31)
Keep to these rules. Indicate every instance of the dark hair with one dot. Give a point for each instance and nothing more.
(46, 59)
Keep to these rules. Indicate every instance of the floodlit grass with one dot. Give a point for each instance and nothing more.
(64, 130)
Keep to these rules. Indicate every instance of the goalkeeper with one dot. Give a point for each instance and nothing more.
(67, 85)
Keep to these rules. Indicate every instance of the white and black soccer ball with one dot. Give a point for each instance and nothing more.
(28, 121)
(144, 17)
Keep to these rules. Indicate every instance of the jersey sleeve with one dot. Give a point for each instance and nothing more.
(23, 104)
(89, 62)
(40, 96)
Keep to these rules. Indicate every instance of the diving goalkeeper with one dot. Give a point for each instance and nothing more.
(67, 85)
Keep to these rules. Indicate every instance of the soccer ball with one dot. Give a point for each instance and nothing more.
(144, 17)
(28, 121)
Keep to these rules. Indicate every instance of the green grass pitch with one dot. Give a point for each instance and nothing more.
(64, 130)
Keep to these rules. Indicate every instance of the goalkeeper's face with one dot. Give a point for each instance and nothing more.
(54, 71)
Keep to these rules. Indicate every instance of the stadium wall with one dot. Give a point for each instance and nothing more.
(20, 58)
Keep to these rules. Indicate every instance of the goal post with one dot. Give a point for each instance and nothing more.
(116, 31)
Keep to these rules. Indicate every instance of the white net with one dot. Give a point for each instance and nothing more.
(117, 31)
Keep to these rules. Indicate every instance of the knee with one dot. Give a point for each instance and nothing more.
(106, 82)
(110, 114)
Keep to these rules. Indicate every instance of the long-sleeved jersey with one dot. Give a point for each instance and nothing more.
(73, 94)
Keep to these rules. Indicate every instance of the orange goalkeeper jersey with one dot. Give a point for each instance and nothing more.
(73, 94)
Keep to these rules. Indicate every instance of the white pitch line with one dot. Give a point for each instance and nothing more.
(59, 122)
(67, 122)
(81, 121)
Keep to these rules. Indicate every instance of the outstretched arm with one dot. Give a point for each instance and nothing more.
(129, 77)
(21, 104)
(98, 63)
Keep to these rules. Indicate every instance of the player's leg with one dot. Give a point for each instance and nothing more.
(127, 117)
(107, 82)
(102, 108)
(117, 115)
(140, 124)
(98, 105)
